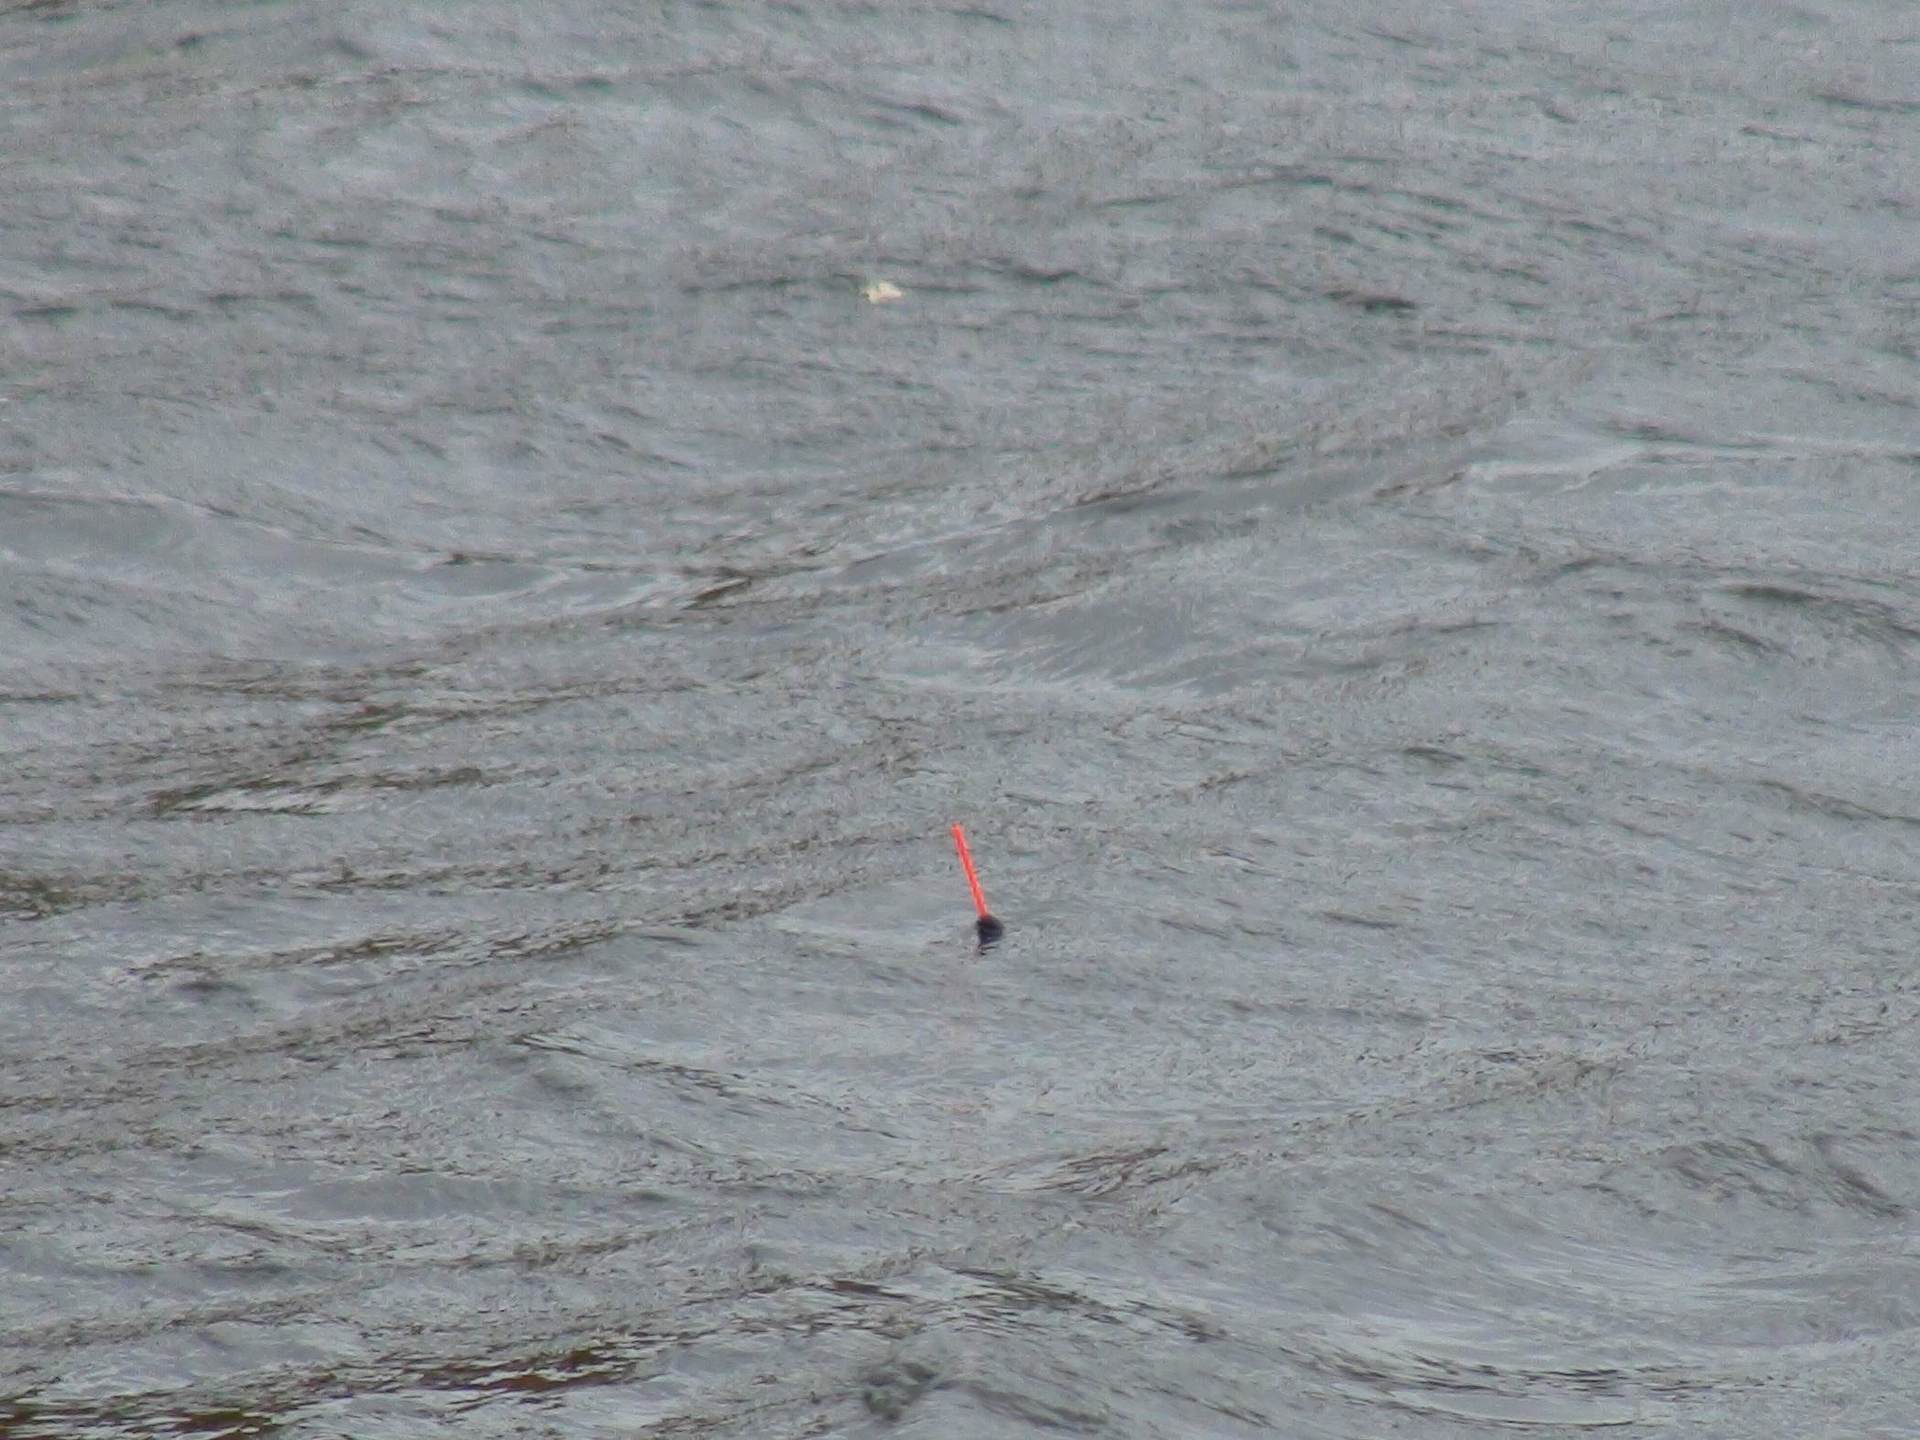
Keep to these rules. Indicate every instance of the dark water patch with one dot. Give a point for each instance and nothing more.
(1106, 1175)
(1375, 303)
(298, 797)
(1834, 806)
(1031, 272)
(399, 951)
(203, 987)
(42, 897)
(598, 1364)
(1867, 617)
(264, 299)
(720, 590)
(30, 1420)
(1795, 1178)
(1054, 1409)
(1481, 1394)
(154, 307)
(284, 1407)
(1732, 637)
(35, 897)
(1435, 754)
(891, 1390)
(1365, 922)
(1848, 98)
(51, 313)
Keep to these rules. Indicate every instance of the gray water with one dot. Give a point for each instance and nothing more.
(1392, 524)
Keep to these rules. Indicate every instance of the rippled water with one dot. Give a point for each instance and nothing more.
(1394, 529)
